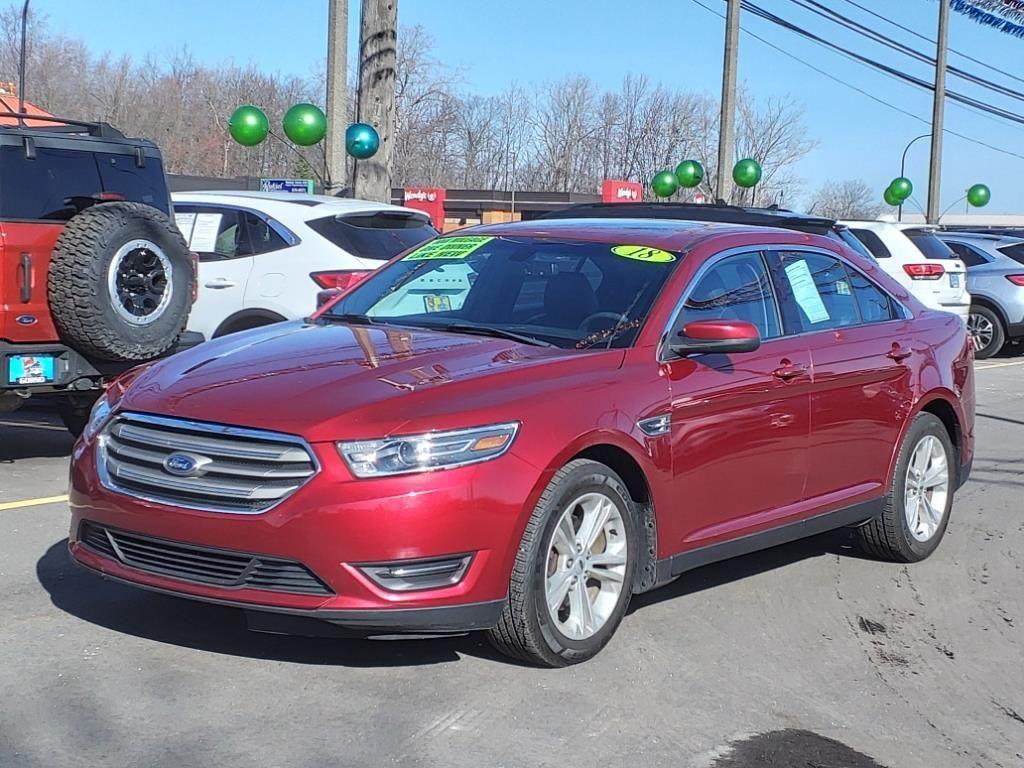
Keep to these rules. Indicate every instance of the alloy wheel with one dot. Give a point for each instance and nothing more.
(586, 565)
(981, 330)
(927, 488)
(139, 281)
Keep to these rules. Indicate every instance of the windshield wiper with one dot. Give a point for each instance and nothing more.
(497, 333)
(353, 319)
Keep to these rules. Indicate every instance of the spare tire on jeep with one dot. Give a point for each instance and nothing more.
(121, 282)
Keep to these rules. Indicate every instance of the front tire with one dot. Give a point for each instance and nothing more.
(573, 575)
(987, 332)
(920, 496)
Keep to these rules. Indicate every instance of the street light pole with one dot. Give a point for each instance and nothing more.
(337, 95)
(727, 118)
(903, 168)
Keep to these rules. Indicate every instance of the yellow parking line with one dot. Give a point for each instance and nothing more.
(982, 367)
(32, 502)
(33, 425)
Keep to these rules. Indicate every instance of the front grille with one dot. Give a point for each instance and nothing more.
(236, 470)
(217, 567)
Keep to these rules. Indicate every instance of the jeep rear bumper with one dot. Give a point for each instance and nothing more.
(72, 371)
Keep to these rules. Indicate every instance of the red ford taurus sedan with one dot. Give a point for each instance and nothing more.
(516, 428)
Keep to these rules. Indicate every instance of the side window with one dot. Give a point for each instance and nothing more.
(873, 242)
(214, 233)
(967, 254)
(262, 237)
(874, 304)
(735, 288)
(817, 293)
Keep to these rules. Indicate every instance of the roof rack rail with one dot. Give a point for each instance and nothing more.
(718, 212)
(63, 125)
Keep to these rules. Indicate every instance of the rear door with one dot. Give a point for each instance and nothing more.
(861, 350)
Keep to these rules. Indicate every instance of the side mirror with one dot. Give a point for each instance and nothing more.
(720, 337)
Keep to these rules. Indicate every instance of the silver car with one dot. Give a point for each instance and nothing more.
(995, 279)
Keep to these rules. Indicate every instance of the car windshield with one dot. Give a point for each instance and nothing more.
(930, 245)
(569, 294)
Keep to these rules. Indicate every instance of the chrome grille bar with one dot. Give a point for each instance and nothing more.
(235, 469)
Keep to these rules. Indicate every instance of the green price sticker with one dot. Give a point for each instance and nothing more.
(643, 253)
(448, 248)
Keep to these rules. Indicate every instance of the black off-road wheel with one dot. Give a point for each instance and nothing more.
(120, 282)
(920, 496)
(573, 574)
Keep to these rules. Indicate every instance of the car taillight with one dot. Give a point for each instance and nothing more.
(340, 280)
(1016, 279)
(924, 271)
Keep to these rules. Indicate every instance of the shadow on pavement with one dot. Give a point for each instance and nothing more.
(219, 629)
(792, 748)
(32, 433)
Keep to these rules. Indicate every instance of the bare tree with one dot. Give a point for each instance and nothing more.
(849, 199)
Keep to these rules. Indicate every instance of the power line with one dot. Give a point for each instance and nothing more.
(931, 40)
(874, 64)
(837, 18)
(861, 91)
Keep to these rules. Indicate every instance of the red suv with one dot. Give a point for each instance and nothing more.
(516, 428)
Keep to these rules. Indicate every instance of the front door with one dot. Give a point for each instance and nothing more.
(740, 421)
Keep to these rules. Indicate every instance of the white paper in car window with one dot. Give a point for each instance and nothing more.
(805, 291)
(185, 222)
(204, 233)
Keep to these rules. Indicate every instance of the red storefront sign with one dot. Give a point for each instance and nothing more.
(615, 191)
(430, 200)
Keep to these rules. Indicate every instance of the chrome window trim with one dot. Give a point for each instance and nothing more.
(290, 238)
(765, 249)
(199, 426)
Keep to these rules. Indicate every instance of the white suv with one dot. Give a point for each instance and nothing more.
(264, 256)
(920, 261)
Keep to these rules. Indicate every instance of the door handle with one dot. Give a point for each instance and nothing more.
(898, 353)
(219, 283)
(787, 371)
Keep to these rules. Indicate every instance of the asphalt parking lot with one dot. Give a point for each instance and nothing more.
(804, 655)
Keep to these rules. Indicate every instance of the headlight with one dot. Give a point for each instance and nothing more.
(98, 418)
(422, 453)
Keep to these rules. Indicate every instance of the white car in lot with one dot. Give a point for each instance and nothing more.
(264, 256)
(919, 260)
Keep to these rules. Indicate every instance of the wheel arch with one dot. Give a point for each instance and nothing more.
(985, 301)
(245, 319)
(942, 404)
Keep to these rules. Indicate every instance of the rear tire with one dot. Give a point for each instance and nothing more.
(987, 332)
(598, 574)
(920, 496)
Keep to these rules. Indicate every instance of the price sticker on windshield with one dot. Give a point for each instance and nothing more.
(643, 253)
(448, 248)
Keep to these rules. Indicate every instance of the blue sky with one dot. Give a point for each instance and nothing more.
(496, 42)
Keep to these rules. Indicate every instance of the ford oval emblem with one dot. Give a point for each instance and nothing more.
(26, 320)
(185, 464)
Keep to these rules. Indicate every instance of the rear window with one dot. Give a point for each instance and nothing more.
(1015, 252)
(873, 243)
(380, 236)
(46, 187)
(928, 244)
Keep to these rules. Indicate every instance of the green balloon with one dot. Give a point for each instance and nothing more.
(305, 124)
(746, 173)
(891, 198)
(901, 188)
(664, 184)
(248, 125)
(979, 195)
(361, 141)
(689, 173)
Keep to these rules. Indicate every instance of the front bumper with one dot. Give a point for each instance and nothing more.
(333, 525)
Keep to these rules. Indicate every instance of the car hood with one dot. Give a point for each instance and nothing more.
(333, 381)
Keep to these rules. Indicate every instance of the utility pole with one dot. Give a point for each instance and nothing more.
(938, 112)
(378, 36)
(727, 119)
(337, 96)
